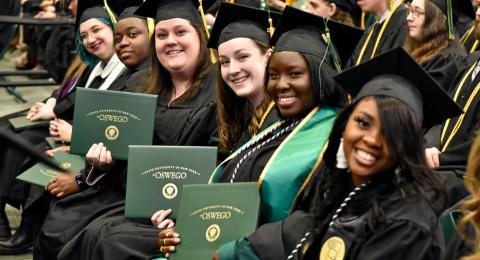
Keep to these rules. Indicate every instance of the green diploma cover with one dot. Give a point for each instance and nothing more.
(40, 174)
(156, 175)
(21, 122)
(116, 119)
(213, 214)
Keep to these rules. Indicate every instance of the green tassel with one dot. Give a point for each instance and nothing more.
(331, 48)
(451, 28)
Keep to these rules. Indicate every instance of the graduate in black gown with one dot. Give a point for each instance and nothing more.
(60, 105)
(387, 32)
(186, 115)
(240, 34)
(449, 142)
(72, 187)
(264, 154)
(371, 197)
(469, 40)
(432, 42)
(300, 82)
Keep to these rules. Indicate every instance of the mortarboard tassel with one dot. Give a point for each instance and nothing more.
(270, 29)
(204, 21)
(451, 28)
(150, 26)
(110, 12)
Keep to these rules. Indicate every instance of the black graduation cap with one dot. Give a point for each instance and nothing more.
(459, 7)
(345, 5)
(397, 75)
(88, 9)
(301, 31)
(234, 21)
(126, 8)
(25, 146)
(169, 9)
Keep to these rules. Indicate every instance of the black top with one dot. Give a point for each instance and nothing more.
(393, 36)
(191, 123)
(447, 64)
(456, 153)
(407, 229)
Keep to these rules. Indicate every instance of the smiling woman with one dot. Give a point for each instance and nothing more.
(182, 76)
(381, 196)
(132, 41)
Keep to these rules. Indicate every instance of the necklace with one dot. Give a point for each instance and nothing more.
(258, 144)
(335, 216)
(346, 200)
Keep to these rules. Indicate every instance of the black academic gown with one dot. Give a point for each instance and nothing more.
(110, 235)
(393, 36)
(453, 159)
(447, 64)
(272, 117)
(13, 161)
(409, 229)
(62, 220)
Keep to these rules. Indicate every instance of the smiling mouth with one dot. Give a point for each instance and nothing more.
(365, 158)
(239, 80)
(174, 52)
(95, 46)
(286, 101)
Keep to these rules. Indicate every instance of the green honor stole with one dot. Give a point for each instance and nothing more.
(288, 170)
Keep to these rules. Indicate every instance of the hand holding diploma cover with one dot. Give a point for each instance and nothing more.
(156, 175)
(116, 119)
(40, 174)
(213, 214)
(21, 122)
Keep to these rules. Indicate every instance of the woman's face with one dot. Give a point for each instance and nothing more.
(289, 84)
(416, 18)
(97, 38)
(364, 143)
(131, 41)
(321, 8)
(242, 65)
(177, 45)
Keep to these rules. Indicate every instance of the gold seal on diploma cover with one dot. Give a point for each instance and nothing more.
(65, 166)
(170, 191)
(213, 232)
(333, 249)
(111, 132)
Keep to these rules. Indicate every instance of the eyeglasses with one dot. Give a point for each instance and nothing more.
(414, 11)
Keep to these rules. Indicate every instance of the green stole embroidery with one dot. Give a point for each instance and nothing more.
(291, 165)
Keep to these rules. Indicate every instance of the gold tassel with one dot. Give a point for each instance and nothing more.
(362, 20)
(270, 29)
(110, 12)
(204, 21)
(151, 27)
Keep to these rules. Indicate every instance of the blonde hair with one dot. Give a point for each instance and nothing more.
(471, 207)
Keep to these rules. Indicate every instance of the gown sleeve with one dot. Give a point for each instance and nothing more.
(401, 240)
